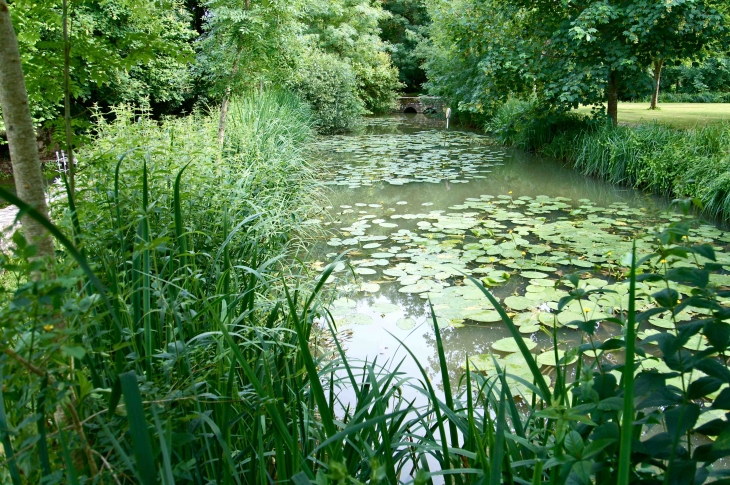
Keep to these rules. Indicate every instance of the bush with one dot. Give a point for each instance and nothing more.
(329, 85)
(525, 125)
(378, 83)
(701, 97)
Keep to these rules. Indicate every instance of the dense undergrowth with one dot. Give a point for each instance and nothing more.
(701, 97)
(692, 163)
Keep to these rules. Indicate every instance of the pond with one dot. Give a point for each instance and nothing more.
(415, 208)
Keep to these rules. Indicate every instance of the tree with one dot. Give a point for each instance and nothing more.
(29, 180)
(403, 30)
(121, 51)
(246, 43)
(569, 53)
(671, 31)
(350, 29)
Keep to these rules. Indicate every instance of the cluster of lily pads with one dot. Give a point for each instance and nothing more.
(519, 246)
(400, 159)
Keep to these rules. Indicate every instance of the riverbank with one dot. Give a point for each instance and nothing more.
(671, 162)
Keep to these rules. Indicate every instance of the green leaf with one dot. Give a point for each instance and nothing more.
(574, 443)
(75, 351)
(146, 471)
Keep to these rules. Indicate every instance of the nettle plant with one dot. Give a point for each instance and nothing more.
(660, 417)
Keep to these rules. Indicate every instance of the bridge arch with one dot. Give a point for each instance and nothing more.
(419, 104)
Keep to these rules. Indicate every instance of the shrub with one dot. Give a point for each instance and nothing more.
(526, 125)
(377, 83)
(701, 97)
(328, 84)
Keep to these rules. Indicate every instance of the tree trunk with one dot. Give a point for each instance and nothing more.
(222, 117)
(613, 97)
(22, 142)
(224, 103)
(658, 63)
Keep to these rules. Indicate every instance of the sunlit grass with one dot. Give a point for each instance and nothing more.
(677, 115)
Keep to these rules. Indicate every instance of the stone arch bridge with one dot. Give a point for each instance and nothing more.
(419, 104)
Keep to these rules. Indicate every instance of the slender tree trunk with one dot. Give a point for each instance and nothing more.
(613, 97)
(658, 63)
(226, 96)
(24, 157)
(222, 117)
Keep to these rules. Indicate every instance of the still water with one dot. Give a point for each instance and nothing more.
(414, 208)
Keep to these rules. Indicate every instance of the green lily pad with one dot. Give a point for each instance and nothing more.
(547, 358)
(405, 323)
(370, 287)
(485, 316)
(533, 275)
(385, 308)
(518, 303)
(509, 344)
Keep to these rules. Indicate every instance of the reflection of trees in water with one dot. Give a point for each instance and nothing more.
(412, 305)
(529, 174)
(459, 343)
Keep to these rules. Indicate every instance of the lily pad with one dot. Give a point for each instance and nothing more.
(548, 358)
(370, 287)
(518, 303)
(365, 271)
(509, 345)
(405, 323)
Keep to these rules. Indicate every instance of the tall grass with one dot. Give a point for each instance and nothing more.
(669, 162)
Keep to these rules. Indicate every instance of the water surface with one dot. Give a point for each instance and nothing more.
(416, 206)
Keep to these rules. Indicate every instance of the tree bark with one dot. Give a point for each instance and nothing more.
(29, 182)
(226, 96)
(658, 63)
(612, 108)
(222, 117)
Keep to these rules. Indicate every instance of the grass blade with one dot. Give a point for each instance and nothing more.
(146, 471)
(5, 439)
(627, 418)
(444, 377)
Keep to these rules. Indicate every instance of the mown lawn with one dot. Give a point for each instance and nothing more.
(678, 115)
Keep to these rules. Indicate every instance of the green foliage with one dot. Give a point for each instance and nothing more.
(701, 97)
(523, 124)
(120, 52)
(329, 86)
(481, 53)
(711, 75)
(246, 44)
(404, 29)
(305, 46)
(350, 30)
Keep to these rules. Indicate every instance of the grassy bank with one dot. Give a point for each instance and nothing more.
(676, 163)
(677, 114)
(161, 341)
